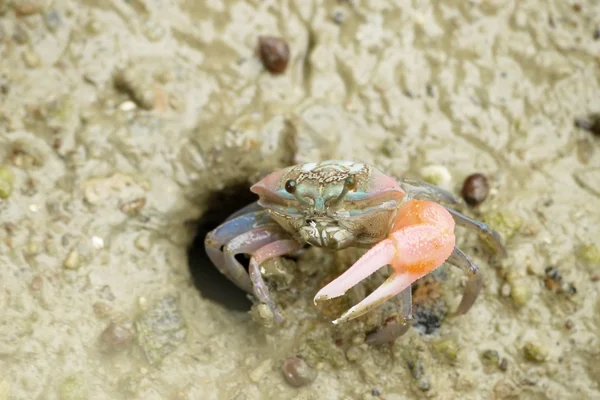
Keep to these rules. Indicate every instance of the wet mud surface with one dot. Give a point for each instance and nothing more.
(129, 129)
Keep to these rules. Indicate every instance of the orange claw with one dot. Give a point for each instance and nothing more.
(421, 240)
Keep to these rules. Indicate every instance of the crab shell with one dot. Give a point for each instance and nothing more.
(320, 214)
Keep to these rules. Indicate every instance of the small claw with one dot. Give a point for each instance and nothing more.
(390, 288)
(379, 256)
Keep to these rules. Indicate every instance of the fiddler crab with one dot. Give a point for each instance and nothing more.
(341, 204)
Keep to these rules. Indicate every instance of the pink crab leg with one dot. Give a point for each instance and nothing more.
(271, 250)
(422, 239)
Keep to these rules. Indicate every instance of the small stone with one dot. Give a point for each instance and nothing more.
(153, 31)
(133, 207)
(24, 8)
(448, 348)
(257, 373)
(94, 27)
(436, 175)
(274, 53)
(297, 372)
(597, 34)
(6, 182)
(535, 352)
(102, 310)
(569, 324)
(262, 314)
(338, 16)
(491, 357)
(519, 293)
(503, 364)
(31, 59)
(97, 242)
(53, 20)
(475, 189)
(589, 254)
(354, 353)
(72, 260)
(142, 242)
(416, 369)
(504, 222)
(36, 283)
(116, 337)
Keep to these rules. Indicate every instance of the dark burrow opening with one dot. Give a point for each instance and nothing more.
(208, 280)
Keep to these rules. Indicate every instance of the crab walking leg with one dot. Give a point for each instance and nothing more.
(271, 250)
(246, 243)
(474, 284)
(489, 235)
(224, 233)
(422, 239)
(252, 207)
(391, 332)
(425, 191)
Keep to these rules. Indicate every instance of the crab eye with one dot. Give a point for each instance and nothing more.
(290, 186)
(350, 182)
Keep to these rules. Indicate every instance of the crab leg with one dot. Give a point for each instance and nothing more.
(246, 243)
(252, 207)
(489, 235)
(474, 284)
(425, 191)
(271, 250)
(223, 234)
(422, 239)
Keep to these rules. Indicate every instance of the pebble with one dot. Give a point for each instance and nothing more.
(491, 356)
(257, 373)
(436, 175)
(53, 20)
(27, 7)
(475, 189)
(416, 369)
(116, 337)
(274, 53)
(133, 207)
(31, 59)
(519, 293)
(72, 260)
(6, 182)
(354, 353)
(102, 310)
(448, 348)
(535, 352)
(297, 372)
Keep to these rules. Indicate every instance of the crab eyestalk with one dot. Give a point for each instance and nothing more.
(349, 184)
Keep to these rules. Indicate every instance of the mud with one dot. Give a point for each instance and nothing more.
(124, 126)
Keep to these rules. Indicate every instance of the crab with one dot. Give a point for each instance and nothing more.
(340, 204)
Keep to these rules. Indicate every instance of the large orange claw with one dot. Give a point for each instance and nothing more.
(421, 240)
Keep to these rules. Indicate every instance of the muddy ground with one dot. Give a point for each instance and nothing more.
(127, 128)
